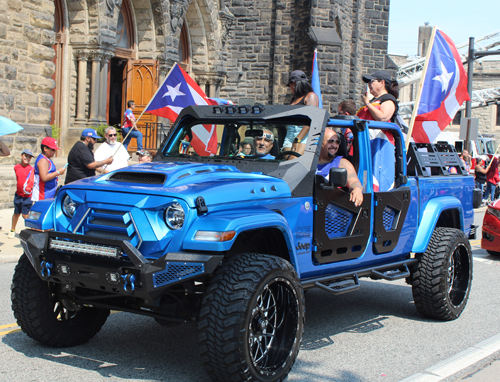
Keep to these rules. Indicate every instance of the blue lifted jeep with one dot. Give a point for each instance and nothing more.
(233, 239)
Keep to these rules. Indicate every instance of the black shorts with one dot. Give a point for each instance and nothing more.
(22, 205)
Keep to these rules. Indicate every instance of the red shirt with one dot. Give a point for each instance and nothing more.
(21, 175)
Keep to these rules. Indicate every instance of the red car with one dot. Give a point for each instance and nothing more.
(491, 229)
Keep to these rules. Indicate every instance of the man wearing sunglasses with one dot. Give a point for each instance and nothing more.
(264, 144)
(108, 148)
(328, 159)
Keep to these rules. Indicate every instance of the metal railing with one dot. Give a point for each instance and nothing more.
(153, 134)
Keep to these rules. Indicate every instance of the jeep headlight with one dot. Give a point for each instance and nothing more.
(68, 206)
(174, 216)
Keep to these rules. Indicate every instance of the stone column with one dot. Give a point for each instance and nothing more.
(95, 87)
(81, 86)
(103, 88)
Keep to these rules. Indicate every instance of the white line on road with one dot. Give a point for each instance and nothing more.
(458, 362)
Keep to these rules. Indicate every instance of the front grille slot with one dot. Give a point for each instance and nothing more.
(117, 225)
(138, 177)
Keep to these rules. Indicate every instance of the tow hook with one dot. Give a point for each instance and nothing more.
(45, 267)
(128, 280)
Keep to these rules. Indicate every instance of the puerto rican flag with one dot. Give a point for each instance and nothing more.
(444, 90)
(178, 91)
(384, 168)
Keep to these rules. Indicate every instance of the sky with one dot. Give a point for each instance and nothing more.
(459, 19)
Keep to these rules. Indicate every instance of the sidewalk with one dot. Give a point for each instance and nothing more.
(10, 249)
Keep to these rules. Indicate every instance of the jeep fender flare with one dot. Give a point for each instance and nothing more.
(239, 222)
(430, 217)
(46, 220)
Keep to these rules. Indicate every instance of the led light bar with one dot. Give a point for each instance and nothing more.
(87, 249)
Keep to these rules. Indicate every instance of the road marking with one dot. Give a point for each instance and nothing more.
(9, 332)
(18, 329)
(7, 326)
(475, 242)
(460, 361)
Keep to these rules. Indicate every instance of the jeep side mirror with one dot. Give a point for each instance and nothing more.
(338, 177)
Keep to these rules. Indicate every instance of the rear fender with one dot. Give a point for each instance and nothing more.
(430, 217)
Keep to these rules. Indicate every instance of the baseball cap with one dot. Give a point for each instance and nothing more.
(27, 152)
(144, 152)
(50, 143)
(378, 75)
(296, 75)
(90, 133)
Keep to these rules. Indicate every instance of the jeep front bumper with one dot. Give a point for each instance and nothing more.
(110, 266)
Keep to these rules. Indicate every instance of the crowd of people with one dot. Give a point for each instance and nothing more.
(40, 181)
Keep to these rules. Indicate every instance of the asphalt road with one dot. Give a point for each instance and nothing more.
(373, 334)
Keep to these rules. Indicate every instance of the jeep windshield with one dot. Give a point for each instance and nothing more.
(256, 140)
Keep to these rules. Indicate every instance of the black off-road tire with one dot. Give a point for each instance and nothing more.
(252, 320)
(442, 279)
(41, 315)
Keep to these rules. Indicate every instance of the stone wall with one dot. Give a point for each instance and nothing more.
(26, 67)
(261, 57)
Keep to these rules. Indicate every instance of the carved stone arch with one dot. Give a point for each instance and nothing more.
(124, 26)
(78, 14)
(201, 17)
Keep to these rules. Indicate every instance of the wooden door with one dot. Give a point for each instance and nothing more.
(141, 80)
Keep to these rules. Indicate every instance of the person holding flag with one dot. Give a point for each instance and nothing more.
(384, 105)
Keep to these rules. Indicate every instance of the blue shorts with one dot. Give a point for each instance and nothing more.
(22, 205)
(291, 132)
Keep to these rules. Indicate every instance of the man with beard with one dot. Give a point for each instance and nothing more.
(264, 144)
(111, 148)
(328, 159)
(81, 163)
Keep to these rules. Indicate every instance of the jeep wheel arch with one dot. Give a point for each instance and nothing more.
(265, 240)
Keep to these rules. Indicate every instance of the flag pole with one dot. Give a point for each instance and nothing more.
(420, 86)
(137, 120)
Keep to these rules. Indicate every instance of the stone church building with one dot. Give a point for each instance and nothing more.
(73, 64)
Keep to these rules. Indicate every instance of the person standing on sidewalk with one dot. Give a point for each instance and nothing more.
(81, 162)
(128, 123)
(22, 197)
(46, 172)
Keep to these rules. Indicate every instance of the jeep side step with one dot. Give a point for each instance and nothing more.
(340, 286)
(334, 283)
(391, 274)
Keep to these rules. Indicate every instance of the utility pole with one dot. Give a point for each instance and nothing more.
(473, 55)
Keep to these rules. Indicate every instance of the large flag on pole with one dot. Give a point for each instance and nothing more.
(442, 89)
(315, 79)
(178, 91)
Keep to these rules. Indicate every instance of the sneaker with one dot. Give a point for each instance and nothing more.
(11, 235)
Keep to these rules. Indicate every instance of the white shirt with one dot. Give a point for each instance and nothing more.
(105, 150)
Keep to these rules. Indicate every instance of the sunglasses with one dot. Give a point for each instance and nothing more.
(268, 137)
(336, 141)
(112, 135)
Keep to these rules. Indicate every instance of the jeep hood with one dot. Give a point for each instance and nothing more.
(217, 184)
